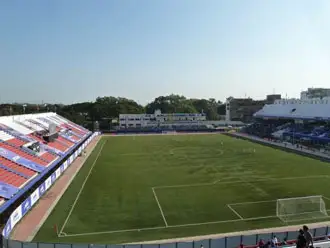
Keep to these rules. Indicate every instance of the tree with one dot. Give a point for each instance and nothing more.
(105, 109)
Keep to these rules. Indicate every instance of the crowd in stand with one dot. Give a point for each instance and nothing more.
(304, 240)
(267, 129)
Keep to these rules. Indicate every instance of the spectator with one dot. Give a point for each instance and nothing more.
(261, 243)
(272, 244)
(285, 241)
(275, 240)
(301, 241)
(308, 236)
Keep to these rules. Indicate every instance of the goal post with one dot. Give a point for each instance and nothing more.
(301, 208)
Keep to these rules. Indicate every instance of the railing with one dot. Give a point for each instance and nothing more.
(249, 241)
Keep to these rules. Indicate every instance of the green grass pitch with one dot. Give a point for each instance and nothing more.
(138, 188)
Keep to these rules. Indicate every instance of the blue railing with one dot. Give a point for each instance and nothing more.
(225, 242)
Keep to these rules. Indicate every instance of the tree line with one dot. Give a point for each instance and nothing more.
(106, 109)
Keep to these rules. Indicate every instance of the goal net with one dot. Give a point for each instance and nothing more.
(301, 208)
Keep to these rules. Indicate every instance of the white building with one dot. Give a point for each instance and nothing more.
(159, 119)
(312, 93)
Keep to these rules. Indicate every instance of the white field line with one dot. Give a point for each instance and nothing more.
(63, 235)
(81, 189)
(171, 151)
(250, 202)
(239, 181)
(327, 198)
(162, 134)
(160, 207)
(171, 226)
(235, 212)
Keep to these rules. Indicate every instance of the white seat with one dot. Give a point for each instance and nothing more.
(5, 136)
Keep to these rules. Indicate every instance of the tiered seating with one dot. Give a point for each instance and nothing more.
(23, 154)
(18, 131)
(5, 136)
(16, 167)
(67, 142)
(73, 136)
(48, 156)
(296, 109)
(16, 142)
(82, 129)
(27, 127)
(32, 126)
(54, 144)
(39, 124)
(75, 130)
(19, 128)
(11, 178)
(58, 146)
(10, 139)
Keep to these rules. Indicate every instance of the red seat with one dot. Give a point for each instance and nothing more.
(58, 146)
(12, 165)
(16, 142)
(48, 156)
(51, 144)
(65, 141)
(11, 178)
(75, 138)
(74, 129)
(23, 154)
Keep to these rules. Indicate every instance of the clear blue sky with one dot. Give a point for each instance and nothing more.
(75, 50)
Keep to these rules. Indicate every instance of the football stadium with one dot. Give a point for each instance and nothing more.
(167, 179)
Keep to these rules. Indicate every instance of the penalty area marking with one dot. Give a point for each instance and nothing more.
(159, 206)
(239, 219)
(230, 206)
(170, 226)
(235, 212)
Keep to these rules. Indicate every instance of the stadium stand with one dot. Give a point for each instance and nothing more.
(30, 145)
(303, 121)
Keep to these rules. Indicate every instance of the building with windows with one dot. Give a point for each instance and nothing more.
(242, 109)
(158, 119)
(312, 93)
